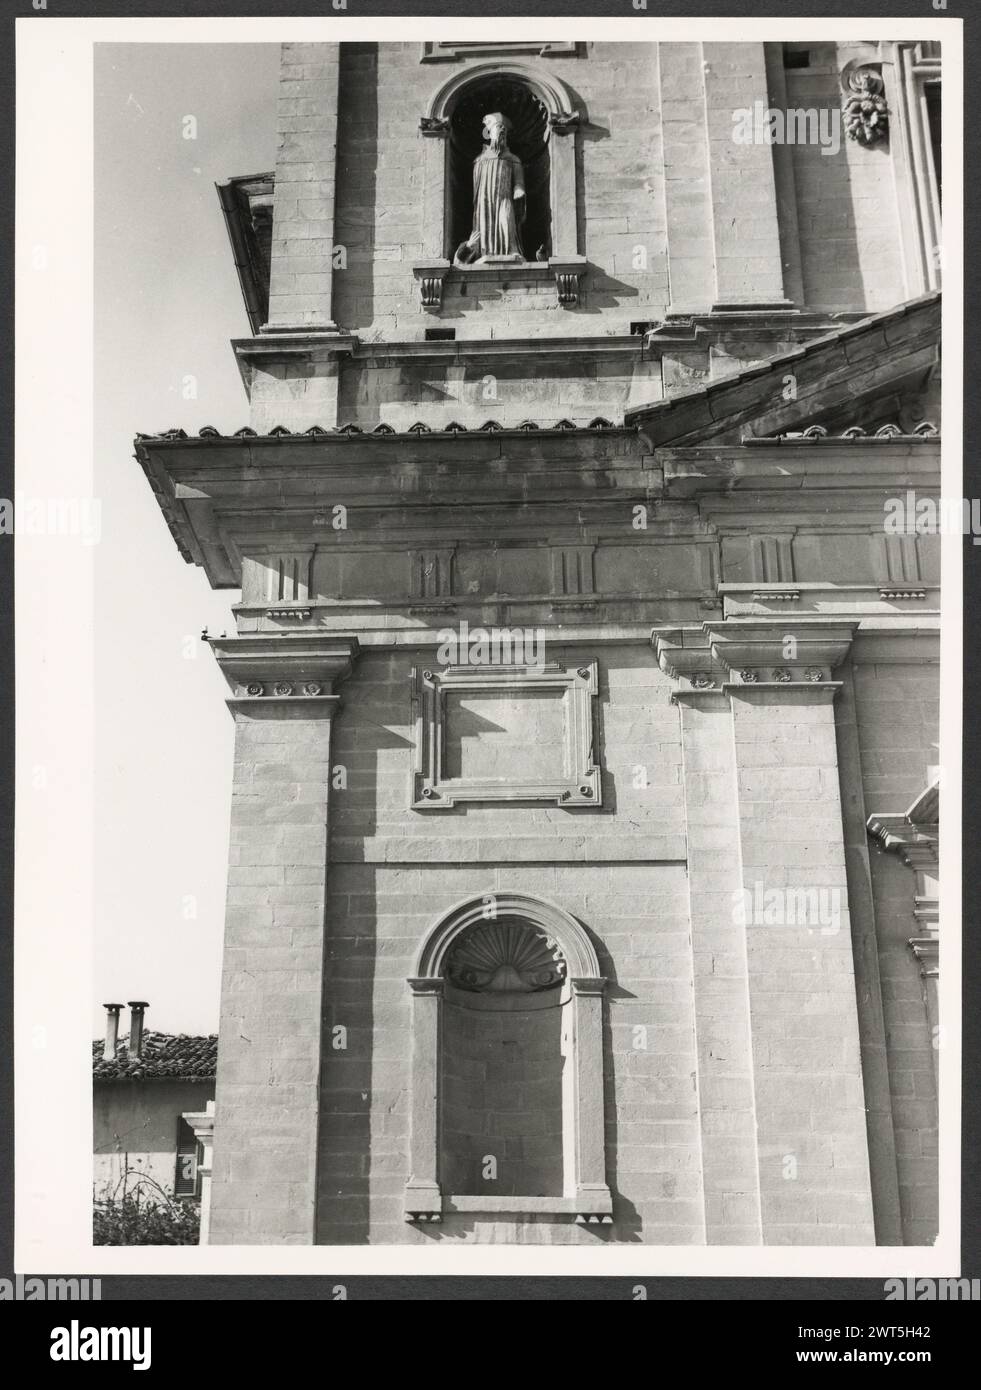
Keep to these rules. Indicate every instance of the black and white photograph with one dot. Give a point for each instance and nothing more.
(485, 701)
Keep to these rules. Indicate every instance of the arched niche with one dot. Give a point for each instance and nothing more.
(544, 135)
(506, 970)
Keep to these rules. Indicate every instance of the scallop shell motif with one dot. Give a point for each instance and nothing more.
(505, 955)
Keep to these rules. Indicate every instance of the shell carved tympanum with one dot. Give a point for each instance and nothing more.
(505, 955)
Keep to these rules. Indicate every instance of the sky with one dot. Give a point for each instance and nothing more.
(167, 304)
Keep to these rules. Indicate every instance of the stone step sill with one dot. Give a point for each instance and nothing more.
(440, 279)
(527, 1206)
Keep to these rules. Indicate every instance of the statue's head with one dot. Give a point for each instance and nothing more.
(496, 127)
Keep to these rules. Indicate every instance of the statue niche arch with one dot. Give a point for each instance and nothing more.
(507, 1063)
(541, 123)
(526, 116)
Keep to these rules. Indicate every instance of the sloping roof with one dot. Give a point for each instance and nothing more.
(833, 373)
(170, 1056)
(247, 205)
(349, 430)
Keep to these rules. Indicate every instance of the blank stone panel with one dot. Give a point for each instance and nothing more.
(500, 736)
(508, 570)
(640, 568)
(354, 574)
(851, 559)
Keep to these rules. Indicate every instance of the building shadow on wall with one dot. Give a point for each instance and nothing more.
(352, 1102)
(357, 164)
(826, 187)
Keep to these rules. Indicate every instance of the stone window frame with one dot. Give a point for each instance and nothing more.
(433, 791)
(564, 264)
(587, 1197)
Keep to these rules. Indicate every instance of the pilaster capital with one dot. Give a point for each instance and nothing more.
(773, 654)
(913, 834)
(423, 985)
(779, 650)
(299, 670)
(684, 654)
(203, 1124)
(926, 949)
(423, 1201)
(588, 985)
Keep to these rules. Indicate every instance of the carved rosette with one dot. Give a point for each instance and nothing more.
(505, 956)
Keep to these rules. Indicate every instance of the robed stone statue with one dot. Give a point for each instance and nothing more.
(498, 198)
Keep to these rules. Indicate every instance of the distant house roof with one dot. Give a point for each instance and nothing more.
(166, 1056)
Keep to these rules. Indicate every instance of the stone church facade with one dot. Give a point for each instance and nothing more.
(582, 881)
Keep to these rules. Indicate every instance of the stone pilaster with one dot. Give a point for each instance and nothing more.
(268, 1091)
(203, 1124)
(810, 1104)
(301, 262)
(787, 1020)
(291, 368)
(727, 1116)
(915, 835)
(687, 189)
(591, 1192)
(423, 1196)
(744, 220)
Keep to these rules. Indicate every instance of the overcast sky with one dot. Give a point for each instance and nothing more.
(167, 303)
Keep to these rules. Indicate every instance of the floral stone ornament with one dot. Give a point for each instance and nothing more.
(865, 111)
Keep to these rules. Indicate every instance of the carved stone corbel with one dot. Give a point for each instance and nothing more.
(430, 276)
(568, 271)
(864, 108)
(564, 122)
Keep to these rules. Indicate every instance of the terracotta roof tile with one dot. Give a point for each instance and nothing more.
(178, 1056)
(454, 427)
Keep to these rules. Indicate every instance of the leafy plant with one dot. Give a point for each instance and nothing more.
(138, 1211)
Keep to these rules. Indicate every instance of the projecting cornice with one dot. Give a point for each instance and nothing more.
(791, 474)
(299, 670)
(775, 655)
(914, 834)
